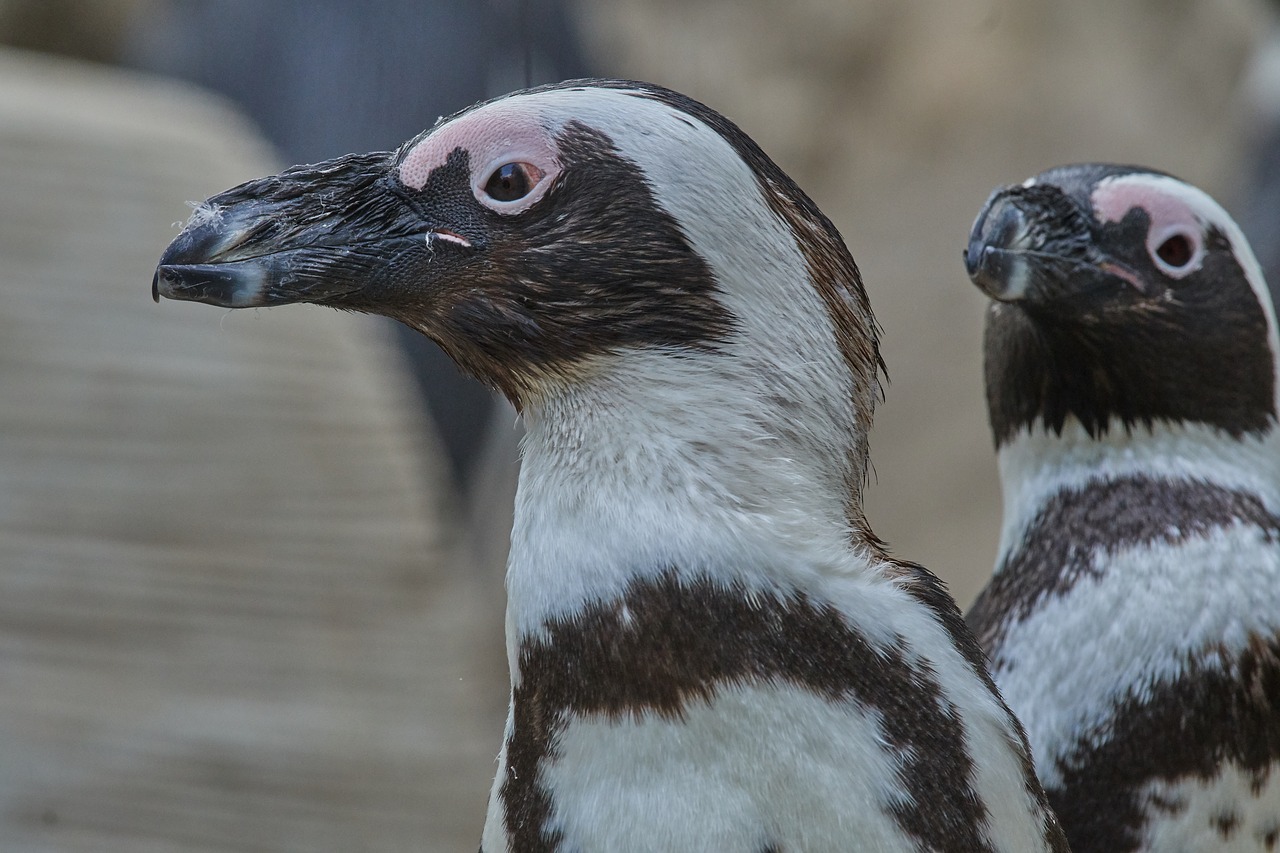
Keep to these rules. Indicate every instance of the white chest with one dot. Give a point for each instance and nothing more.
(757, 769)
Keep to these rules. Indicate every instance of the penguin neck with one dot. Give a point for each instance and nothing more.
(654, 465)
(1037, 463)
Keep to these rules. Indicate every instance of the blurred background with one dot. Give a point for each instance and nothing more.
(251, 563)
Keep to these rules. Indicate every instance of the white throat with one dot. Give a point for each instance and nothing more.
(659, 463)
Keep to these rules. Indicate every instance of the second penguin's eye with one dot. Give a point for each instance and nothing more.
(512, 181)
(1176, 251)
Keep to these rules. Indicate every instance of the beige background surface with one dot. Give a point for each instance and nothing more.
(232, 616)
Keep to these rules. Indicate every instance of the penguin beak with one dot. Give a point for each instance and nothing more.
(310, 234)
(1033, 244)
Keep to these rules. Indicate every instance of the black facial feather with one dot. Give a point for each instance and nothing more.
(595, 266)
(446, 198)
(1196, 353)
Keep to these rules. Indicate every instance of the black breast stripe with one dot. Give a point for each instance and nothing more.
(667, 644)
(1106, 516)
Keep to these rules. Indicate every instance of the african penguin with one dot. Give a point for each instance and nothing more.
(709, 649)
(1133, 621)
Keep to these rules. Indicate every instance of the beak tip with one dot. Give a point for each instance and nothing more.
(992, 258)
(998, 273)
(973, 254)
(225, 286)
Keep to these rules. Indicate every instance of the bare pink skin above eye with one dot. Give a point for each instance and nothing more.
(492, 135)
(1168, 214)
(1113, 199)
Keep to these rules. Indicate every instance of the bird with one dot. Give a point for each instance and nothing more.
(709, 648)
(1133, 618)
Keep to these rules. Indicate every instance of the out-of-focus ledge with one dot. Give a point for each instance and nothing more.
(39, 92)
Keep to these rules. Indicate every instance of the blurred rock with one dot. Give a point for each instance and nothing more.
(232, 615)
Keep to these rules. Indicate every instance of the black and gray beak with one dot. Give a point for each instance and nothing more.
(1034, 243)
(310, 234)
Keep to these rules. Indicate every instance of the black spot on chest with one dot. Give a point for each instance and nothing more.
(668, 644)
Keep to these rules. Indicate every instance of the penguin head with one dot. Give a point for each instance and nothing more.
(579, 247)
(1121, 297)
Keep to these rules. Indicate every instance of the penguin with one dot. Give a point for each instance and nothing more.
(1133, 618)
(709, 648)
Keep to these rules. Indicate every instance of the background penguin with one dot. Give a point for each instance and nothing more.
(1132, 621)
(709, 649)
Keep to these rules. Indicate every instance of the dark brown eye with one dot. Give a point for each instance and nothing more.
(512, 181)
(1176, 251)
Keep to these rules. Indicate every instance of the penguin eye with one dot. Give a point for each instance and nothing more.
(512, 181)
(1176, 253)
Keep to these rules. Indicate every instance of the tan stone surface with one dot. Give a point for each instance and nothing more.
(230, 614)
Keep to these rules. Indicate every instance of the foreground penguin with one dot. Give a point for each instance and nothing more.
(1133, 619)
(708, 648)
